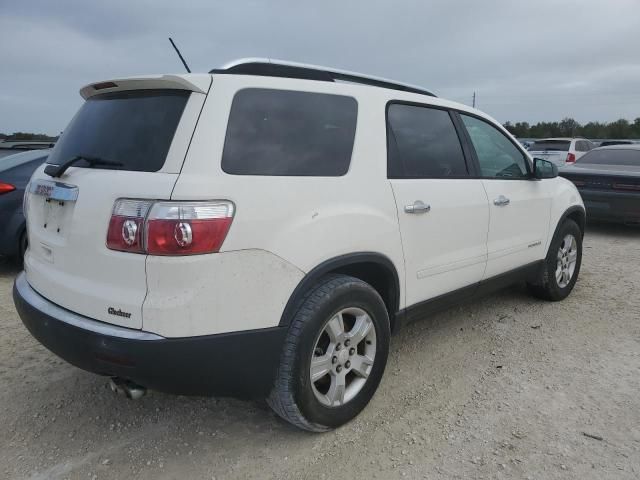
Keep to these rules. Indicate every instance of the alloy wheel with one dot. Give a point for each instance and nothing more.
(343, 357)
(567, 259)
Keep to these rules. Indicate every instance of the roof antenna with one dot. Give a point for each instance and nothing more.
(180, 55)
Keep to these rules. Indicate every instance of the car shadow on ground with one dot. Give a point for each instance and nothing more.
(203, 422)
(202, 419)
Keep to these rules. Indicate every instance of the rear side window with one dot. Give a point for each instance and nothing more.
(612, 156)
(582, 146)
(550, 145)
(289, 133)
(422, 143)
(135, 128)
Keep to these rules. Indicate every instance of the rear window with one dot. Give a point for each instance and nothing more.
(289, 133)
(611, 157)
(135, 128)
(552, 145)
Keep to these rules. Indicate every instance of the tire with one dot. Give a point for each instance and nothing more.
(322, 404)
(548, 286)
(22, 246)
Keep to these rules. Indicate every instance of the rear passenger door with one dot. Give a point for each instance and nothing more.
(443, 213)
(519, 205)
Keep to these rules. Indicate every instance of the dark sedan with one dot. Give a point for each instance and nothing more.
(15, 172)
(608, 179)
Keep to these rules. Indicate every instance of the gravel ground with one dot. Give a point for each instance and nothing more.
(506, 387)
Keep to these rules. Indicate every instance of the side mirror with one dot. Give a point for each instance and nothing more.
(544, 169)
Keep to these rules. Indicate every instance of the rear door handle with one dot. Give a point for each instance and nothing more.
(417, 207)
(501, 201)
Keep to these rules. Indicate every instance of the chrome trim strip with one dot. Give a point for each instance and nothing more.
(40, 303)
(514, 249)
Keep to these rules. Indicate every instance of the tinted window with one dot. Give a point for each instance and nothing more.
(423, 143)
(552, 145)
(583, 146)
(283, 132)
(615, 142)
(611, 156)
(497, 155)
(134, 128)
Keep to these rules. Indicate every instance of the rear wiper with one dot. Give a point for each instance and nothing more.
(55, 171)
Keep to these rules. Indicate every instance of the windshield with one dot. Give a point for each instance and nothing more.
(134, 128)
(18, 159)
(553, 145)
(612, 156)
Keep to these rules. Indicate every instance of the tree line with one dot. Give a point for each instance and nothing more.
(26, 136)
(568, 127)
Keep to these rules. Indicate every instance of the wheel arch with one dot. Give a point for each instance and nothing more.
(373, 268)
(576, 213)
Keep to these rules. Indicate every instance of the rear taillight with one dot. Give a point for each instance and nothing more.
(169, 228)
(187, 228)
(126, 227)
(6, 188)
(571, 158)
(626, 186)
(579, 183)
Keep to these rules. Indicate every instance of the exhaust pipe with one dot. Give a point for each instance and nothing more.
(127, 388)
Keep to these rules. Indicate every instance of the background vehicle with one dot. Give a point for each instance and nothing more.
(560, 150)
(261, 230)
(608, 143)
(525, 143)
(15, 172)
(12, 147)
(608, 179)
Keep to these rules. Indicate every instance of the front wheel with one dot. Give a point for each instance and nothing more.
(334, 355)
(562, 265)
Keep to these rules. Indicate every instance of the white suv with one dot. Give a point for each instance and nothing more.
(560, 151)
(260, 230)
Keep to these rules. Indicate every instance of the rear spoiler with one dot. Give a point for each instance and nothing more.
(194, 82)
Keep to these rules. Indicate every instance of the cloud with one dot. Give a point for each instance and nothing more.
(530, 61)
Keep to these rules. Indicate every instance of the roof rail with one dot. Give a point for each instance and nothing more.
(279, 68)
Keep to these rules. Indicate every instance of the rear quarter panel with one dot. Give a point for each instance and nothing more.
(303, 221)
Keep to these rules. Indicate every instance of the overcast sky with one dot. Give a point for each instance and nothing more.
(527, 60)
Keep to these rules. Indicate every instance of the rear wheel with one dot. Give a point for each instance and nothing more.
(334, 355)
(562, 265)
(23, 245)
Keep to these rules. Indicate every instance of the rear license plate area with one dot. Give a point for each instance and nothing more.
(54, 200)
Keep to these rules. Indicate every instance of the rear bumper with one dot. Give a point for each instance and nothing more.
(239, 364)
(611, 206)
